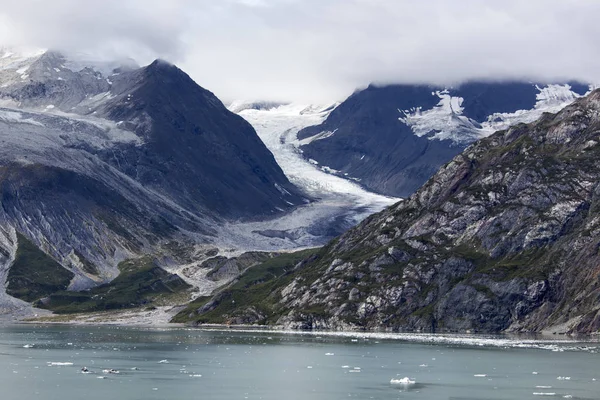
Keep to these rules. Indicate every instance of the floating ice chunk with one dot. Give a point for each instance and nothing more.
(534, 373)
(101, 377)
(110, 371)
(329, 354)
(480, 375)
(543, 394)
(345, 366)
(28, 346)
(543, 387)
(195, 376)
(402, 381)
(59, 364)
(564, 378)
(163, 362)
(423, 365)
(357, 368)
(568, 396)
(309, 367)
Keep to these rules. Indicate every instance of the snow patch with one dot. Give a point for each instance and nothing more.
(443, 122)
(446, 121)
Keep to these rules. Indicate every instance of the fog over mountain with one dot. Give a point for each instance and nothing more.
(317, 50)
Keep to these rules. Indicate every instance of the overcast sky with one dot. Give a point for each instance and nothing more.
(321, 50)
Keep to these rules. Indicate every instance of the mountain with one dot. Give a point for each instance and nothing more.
(393, 138)
(193, 149)
(99, 168)
(504, 237)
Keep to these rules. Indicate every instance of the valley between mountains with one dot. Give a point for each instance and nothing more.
(130, 194)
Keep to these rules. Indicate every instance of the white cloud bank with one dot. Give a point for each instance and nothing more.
(317, 50)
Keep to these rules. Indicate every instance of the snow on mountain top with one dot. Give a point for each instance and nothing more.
(551, 99)
(18, 58)
(551, 95)
(443, 122)
(446, 121)
(79, 60)
(13, 58)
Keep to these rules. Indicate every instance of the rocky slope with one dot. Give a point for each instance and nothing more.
(504, 237)
(99, 167)
(393, 138)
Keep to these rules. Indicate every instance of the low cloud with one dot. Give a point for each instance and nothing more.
(320, 50)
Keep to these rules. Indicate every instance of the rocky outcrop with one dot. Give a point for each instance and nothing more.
(504, 237)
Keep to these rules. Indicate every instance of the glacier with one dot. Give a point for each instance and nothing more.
(339, 203)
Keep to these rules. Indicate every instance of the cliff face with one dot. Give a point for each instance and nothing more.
(505, 237)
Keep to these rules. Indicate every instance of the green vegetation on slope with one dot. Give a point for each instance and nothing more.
(141, 282)
(254, 287)
(34, 274)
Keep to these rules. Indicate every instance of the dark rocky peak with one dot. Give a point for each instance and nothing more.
(156, 85)
(169, 80)
(209, 157)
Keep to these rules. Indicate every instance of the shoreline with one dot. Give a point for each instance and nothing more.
(504, 340)
(160, 318)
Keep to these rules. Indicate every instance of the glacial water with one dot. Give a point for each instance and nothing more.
(45, 362)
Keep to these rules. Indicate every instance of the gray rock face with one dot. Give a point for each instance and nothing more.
(504, 237)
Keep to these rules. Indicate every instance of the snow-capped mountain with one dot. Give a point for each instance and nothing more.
(393, 138)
